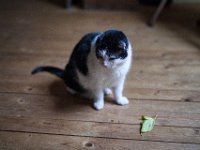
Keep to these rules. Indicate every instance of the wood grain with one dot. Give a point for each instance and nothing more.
(68, 107)
(44, 84)
(100, 130)
(56, 142)
(36, 112)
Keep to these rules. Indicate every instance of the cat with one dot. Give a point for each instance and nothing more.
(98, 66)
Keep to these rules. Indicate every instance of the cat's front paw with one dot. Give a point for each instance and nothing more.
(99, 104)
(122, 101)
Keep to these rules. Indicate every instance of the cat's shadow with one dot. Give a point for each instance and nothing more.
(65, 101)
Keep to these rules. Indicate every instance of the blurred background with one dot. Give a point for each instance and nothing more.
(36, 112)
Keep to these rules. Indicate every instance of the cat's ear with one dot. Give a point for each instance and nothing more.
(98, 41)
(100, 38)
(122, 45)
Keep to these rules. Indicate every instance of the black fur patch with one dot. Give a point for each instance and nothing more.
(53, 70)
(80, 53)
(71, 79)
(78, 61)
(114, 42)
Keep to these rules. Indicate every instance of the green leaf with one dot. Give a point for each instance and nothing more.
(147, 124)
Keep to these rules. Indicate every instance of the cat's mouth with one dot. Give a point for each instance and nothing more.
(106, 64)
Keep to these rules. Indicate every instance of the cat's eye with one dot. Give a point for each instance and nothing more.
(122, 45)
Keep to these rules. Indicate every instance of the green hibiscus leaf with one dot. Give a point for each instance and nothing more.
(147, 124)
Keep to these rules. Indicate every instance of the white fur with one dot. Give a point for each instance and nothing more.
(107, 91)
(101, 77)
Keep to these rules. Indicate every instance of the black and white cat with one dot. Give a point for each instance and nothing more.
(98, 65)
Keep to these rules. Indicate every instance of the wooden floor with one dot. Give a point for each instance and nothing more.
(37, 113)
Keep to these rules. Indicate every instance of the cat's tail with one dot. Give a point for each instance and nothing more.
(53, 70)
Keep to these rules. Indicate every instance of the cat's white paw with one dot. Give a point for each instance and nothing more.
(99, 104)
(122, 101)
(107, 91)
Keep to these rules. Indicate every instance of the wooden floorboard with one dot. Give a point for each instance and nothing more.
(26, 140)
(36, 112)
(74, 108)
(100, 130)
(32, 85)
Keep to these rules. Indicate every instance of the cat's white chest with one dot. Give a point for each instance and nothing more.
(106, 77)
(103, 77)
(100, 77)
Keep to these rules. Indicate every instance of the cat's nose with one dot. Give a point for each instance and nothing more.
(106, 64)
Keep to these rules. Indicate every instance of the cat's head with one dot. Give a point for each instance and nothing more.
(112, 48)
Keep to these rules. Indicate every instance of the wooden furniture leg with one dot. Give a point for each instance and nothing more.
(157, 13)
(68, 4)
